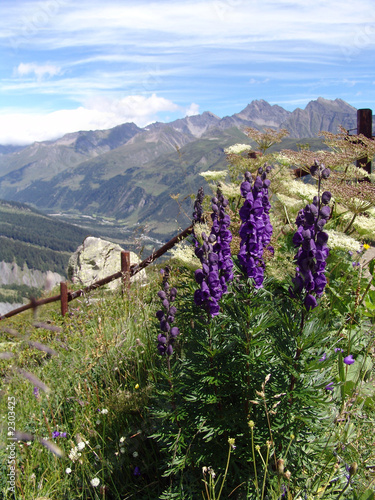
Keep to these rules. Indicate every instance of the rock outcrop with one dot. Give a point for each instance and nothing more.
(96, 259)
(13, 274)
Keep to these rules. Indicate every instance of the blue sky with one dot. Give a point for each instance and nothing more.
(68, 65)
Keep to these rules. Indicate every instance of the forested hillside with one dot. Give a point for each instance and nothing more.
(31, 238)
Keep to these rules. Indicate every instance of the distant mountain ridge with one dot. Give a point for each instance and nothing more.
(129, 173)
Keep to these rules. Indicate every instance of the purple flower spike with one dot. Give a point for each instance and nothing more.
(215, 257)
(256, 229)
(312, 242)
(329, 387)
(55, 434)
(166, 316)
(323, 358)
(349, 360)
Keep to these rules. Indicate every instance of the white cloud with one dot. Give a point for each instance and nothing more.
(99, 113)
(192, 110)
(39, 70)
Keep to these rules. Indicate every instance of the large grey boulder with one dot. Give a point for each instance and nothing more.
(96, 259)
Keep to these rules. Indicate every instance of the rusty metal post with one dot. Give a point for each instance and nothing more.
(64, 298)
(125, 269)
(364, 127)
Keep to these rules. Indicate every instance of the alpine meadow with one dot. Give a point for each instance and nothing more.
(241, 367)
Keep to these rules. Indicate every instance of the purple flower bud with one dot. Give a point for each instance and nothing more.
(310, 302)
(314, 168)
(325, 211)
(349, 360)
(326, 173)
(329, 387)
(160, 314)
(175, 332)
(326, 197)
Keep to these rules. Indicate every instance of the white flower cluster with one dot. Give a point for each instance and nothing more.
(214, 175)
(229, 190)
(300, 189)
(184, 254)
(237, 149)
(342, 241)
(74, 454)
(365, 226)
(290, 202)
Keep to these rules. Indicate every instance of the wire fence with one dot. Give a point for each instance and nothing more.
(126, 272)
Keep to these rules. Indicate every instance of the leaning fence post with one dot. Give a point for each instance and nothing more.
(364, 127)
(64, 298)
(125, 269)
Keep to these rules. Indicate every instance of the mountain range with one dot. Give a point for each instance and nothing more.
(129, 173)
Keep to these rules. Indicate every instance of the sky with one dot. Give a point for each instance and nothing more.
(70, 65)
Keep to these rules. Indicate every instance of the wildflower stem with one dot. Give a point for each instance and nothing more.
(226, 471)
(350, 224)
(265, 470)
(254, 461)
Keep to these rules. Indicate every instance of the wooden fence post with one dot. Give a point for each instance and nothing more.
(125, 269)
(64, 298)
(364, 126)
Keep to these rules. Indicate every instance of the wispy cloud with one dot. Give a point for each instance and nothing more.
(39, 70)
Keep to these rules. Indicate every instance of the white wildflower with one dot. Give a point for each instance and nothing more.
(229, 190)
(300, 189)
(290, 202)
(342, 241)
(237, 149)
(214, 175)
(283, 159)
(81, 445)
(74, 455)
(68, 470)
(364, 225)
(122, 439)
(184, 254)
(122, 450)
(135, 454)
(104, 411)
(95, 482)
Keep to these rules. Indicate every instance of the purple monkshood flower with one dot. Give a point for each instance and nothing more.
(256, 229)
(349, 360)
(215, 257)
(198, 209)
(36, 392)
(56, 434)
(137, 471)
(312, 242)
(166, 316)
(329, 387)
